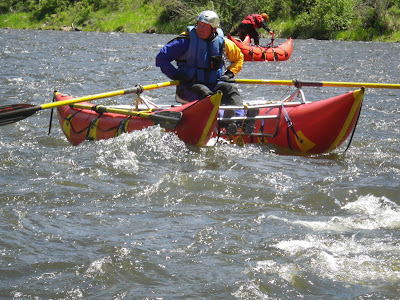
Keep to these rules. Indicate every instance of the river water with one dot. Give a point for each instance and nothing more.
(144, 216)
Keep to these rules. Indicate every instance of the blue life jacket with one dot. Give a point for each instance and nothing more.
(203, 61)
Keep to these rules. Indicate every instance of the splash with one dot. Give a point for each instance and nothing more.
(366, 213)
(371, 213)
(365, 257)
(346, 259)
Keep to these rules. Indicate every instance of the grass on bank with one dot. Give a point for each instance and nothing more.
(132, 19)
(18, 21)
(126, 21)
(137, 17)
(362, 34)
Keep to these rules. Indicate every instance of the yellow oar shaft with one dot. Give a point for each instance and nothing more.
(82, 99)
(16, 112)
(264, 81)
(160, 85)
(102, 108)
(299, 83)
(133, 90)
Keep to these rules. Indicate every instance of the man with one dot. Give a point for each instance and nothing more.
(249, 25)
(199, 54)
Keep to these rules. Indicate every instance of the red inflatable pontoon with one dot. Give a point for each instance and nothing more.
(257, 53)
(86, 121)
(307, 127)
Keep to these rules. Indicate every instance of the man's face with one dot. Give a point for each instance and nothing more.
(204, 30)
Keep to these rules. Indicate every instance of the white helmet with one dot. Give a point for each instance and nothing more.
(209, 17)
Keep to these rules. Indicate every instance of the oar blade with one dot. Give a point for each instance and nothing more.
(16, 112)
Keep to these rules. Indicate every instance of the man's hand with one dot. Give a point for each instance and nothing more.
(226, 76)
(183, 79)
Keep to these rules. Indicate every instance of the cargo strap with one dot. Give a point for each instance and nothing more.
(290, 126)
(121, 127)
(92, 125)
(261, 130)
(354, 129)
(51, 114)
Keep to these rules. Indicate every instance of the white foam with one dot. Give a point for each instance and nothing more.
(347, 259)
(366, 213)
(96, 267)
(370, 212)
(362, 258)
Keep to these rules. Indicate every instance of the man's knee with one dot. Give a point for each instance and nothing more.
(201, 90)
(226, 88)
(230, 93)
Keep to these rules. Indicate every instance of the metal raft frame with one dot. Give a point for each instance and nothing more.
(245, 123)
(255, 106)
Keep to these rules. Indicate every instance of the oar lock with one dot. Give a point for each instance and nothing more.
(138, 89)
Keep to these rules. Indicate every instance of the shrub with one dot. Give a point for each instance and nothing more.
(325, 18)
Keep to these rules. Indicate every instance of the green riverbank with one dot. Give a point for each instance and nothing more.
(319, 19)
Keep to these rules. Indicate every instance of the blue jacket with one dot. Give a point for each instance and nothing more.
(198, 60)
